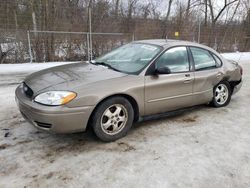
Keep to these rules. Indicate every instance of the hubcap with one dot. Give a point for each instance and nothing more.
(114, 119)
(221, 94)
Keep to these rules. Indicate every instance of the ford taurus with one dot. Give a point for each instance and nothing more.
(134, 81)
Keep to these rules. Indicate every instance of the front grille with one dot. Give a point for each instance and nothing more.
(27, 90)
(43, 125)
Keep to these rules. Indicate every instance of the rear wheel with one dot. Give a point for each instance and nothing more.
(222, 94)
(112, 119)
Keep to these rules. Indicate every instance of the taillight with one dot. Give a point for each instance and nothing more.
(241, 70)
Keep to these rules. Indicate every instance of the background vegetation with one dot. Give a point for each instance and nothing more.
(223, 25)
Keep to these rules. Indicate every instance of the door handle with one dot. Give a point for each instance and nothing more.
(187, 79)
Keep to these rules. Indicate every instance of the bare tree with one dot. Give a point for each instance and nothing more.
(228, 21)
(166, 19)
(215, 18)
(212, 9)
(206, 12)
(147, 19)
(117, 3)
(188, 9)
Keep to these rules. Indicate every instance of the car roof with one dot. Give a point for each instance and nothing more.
(166, 43)
(158, 42)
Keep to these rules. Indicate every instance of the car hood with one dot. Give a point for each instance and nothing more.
(69, 76)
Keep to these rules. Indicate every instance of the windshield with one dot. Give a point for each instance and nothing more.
(130, 58)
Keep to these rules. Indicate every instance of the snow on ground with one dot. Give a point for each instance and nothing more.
(20, 71)
(238, 56)
(203, 147)
(27, 67)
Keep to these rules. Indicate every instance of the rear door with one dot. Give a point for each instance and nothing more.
(207, 74)
(166, 92)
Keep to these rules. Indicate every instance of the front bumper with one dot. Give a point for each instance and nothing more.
(57, 119)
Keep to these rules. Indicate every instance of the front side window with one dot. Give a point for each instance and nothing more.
(202, 59)
(130, 58)
(176, 59)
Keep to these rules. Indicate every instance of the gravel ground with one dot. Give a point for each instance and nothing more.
(202, 147)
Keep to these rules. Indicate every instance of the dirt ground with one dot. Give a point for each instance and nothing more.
(204, 147)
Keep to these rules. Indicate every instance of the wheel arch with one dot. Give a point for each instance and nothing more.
(126, 96)
(232, 83)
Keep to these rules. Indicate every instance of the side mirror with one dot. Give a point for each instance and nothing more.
(162, 70)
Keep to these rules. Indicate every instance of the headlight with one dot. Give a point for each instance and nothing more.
(55, 98)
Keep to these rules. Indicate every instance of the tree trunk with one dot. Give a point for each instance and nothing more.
(205, 23)
(166, 19)
(117, 8)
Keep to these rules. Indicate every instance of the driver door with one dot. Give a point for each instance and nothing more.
(167, 92)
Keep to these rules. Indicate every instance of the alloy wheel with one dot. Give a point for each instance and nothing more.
(114, 119)
(221, 94)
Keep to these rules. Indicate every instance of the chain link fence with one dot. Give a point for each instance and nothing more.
(47, 46)
(20, 46)
(58, 30)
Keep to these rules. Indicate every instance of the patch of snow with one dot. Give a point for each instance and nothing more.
(6, 46)
(237, 56)
(27, 67)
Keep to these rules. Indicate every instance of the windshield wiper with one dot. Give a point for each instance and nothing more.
(105, 64)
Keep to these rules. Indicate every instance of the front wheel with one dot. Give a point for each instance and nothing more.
(222, 94)
(113, 118)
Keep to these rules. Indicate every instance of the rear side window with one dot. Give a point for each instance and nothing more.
(176, 59)
(218, 61)
(202, 59)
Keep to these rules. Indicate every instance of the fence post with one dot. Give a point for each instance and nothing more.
(133, 37)
(90, 33)
(88, 46)
(29, 44)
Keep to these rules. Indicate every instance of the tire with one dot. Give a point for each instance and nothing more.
(222, 94)
(112, 119)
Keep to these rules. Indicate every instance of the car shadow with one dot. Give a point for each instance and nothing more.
(89, 138)
(183, 115)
